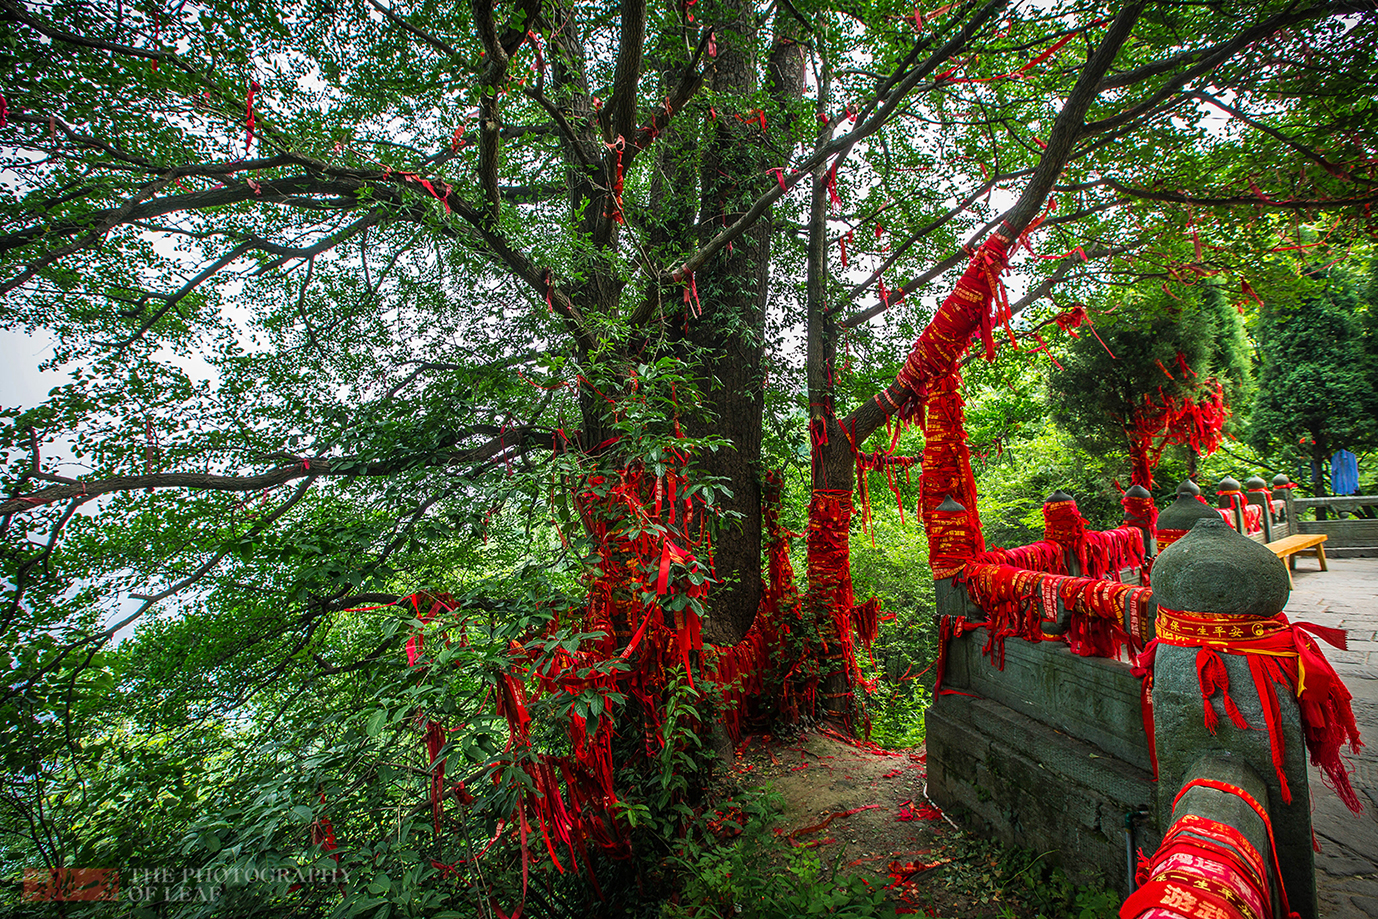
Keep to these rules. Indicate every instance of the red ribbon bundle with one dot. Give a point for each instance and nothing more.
(1197, 420)
(1278, 652)
(1098, 613)
(1064, 525)
(1206, 868)
(965, 313)
(830, 574)
(953, 538)
(1102, 554)
(1042, 556)
(1018, 601)
(1140, 512)
(1110, 551)
(1011, 599)
(249, 119)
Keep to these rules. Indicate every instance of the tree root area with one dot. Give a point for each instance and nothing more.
(862, 809)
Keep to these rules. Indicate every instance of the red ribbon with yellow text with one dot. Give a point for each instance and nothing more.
(1278, 652)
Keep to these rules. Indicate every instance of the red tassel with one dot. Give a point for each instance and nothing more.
(832, 185)
(249, 117)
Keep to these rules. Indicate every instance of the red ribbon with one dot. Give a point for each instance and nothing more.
(249, 120)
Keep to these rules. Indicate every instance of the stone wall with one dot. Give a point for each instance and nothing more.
(1049, 754)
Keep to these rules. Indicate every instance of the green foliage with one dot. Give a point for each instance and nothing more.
(897, 711)
(1318, 378)
(1018, 882)
(758, 874)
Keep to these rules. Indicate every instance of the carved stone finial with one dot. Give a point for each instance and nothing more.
(950, 506)
(1183, 513)
(1189, 488)
(1056, 496)
(1215, 570)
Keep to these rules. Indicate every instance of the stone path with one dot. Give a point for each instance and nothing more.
(1346, 596)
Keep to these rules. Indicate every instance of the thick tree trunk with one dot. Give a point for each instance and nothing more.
(728, 337)
(833, 465)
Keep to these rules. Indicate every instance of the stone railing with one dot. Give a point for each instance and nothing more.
(1280, 515)
(1034, 738)
(1044, 734)
(1352, 536)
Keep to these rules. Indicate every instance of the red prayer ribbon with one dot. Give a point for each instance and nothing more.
(249, 119)
(1284, 653)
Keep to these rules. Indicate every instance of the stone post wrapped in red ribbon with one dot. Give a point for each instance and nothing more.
(1230, 674)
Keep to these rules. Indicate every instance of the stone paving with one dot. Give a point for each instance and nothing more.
(1346, 596)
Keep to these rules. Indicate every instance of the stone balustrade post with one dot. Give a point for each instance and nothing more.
(951, 597)
(1138, 496)
(1177, 519)
(1226, 493)
(1282, 483)
(1069, 554)
(1216, 582)
(1256, 492)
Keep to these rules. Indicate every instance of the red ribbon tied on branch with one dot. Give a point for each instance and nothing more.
(249, 120)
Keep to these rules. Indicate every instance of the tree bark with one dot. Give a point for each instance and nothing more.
(727, 339)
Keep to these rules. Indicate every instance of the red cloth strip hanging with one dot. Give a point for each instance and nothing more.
(1281, 652)
(249, 119)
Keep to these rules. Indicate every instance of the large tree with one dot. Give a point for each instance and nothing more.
(343, 288)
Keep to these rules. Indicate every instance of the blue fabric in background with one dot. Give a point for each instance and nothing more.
(1344, 473)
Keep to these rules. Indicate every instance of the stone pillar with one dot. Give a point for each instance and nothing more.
(1215, 572)
(1226, 493)
(1182, 880)
(1283, 484)
(1256, 490)
(1139, 497)
(1181, 515)
(1070, 557)
(951, 597)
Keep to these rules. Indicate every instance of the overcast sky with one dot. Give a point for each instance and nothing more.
(21, 383)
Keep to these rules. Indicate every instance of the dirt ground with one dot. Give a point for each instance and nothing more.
(867, 805)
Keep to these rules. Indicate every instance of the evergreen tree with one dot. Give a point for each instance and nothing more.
(1161, 369)
(1318, 391)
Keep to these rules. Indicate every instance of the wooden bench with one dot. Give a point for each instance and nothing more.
(1288, 548)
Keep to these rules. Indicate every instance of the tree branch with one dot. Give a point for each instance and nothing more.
(1223, 52)
(1067, 127)
(308, 467)
(436, 43)
(904, 247)
(884, 107)
(1276, 135)
(1237, 200)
